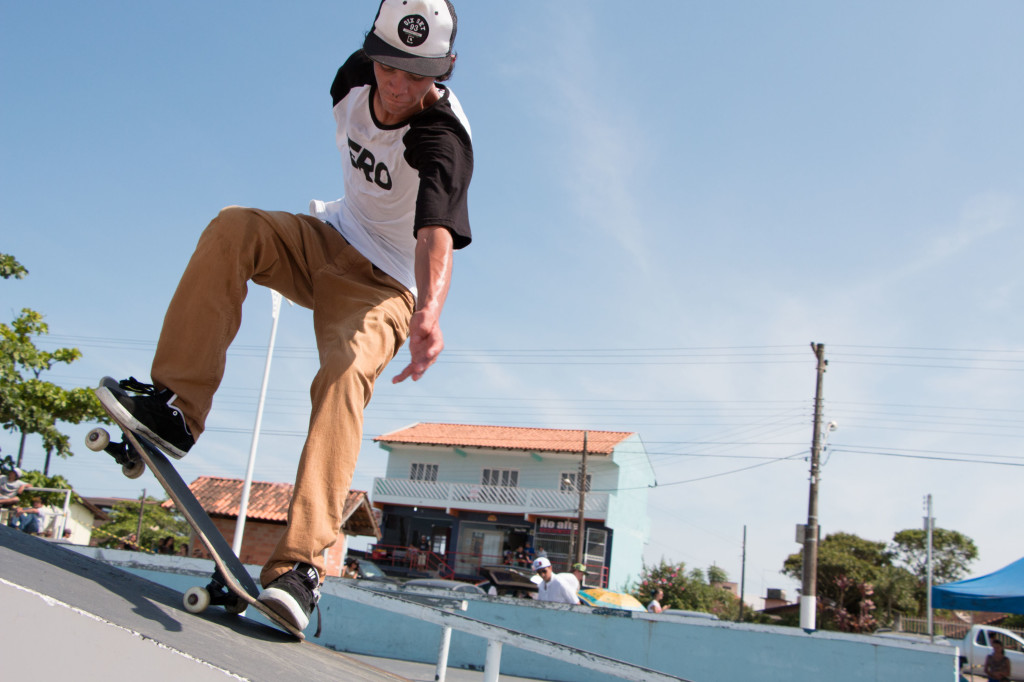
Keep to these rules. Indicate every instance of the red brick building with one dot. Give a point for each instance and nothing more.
(267, 517)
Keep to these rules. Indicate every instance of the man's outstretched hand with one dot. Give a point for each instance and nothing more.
(433, 276)
(425, 345)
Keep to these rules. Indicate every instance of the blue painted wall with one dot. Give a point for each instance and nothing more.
(694, 649)
(627, 511)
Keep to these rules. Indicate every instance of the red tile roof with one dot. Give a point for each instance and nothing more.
(223, 496)
(507, 438)
(267, 501)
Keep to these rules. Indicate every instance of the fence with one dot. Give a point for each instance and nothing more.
(947, 629)
(55, 526)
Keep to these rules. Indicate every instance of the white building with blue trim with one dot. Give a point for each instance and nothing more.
(456, 497)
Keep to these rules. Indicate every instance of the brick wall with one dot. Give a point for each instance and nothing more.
(336, 555)
(261, 538)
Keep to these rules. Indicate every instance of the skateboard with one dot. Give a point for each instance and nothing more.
(231, 586)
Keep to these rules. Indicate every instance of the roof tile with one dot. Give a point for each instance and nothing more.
(507, 438)
(267, 501)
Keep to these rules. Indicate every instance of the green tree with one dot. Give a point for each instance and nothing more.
(28, 404)
(687, 590)
(717, 574)
(158, 522)
(850, 570)
(952, 555)
(10, 267)
(842, 554)
(858, 594)
(895, 593)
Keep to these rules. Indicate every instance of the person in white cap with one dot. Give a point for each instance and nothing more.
(374, 267)
(11, 486)
(554, 587)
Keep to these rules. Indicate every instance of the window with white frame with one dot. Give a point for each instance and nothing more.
(567, 482)
(423, 472)
(506, 478)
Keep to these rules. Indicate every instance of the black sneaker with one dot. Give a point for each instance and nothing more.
(150, 412)
(294, 595)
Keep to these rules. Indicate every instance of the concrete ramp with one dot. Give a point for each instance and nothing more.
(63, 613)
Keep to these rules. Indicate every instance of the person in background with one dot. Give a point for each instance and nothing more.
(11, 486)
(29, 519)
(655, 605)
(578, 572)
(351, 568)
(130, 543)
(557, 588)
(997, 665)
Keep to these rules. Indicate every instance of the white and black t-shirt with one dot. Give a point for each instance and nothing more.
(10, 488)
(398, 178)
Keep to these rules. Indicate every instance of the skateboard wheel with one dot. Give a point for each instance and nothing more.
(97, 439)
(196, 599)
(235, 606)
(135, 469)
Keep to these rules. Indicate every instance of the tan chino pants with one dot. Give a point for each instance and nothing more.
(360, 318)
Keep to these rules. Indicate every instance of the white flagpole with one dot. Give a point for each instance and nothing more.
(243, 507)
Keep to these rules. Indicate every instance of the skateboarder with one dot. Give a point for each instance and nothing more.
(374, 266)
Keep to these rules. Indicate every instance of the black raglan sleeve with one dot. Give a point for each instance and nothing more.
(441, 151)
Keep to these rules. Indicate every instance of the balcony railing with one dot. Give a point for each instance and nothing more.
(487, 498)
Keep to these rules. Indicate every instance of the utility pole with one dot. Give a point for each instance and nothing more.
(138, 531)
(809, 588)
(581, 485)
(743, 572)
(243, 503)
(929, 526)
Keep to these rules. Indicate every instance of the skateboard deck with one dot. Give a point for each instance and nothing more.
(241, 590)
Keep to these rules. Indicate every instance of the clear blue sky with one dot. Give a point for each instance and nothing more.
(667, 210)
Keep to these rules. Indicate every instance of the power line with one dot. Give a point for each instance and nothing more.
(1009, 359)
(967, 458)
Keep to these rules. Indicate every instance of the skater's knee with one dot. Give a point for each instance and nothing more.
(231, 224)
(347, 371)
(235, 216)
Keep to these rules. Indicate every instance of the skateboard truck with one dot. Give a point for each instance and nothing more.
(216, 594)
(132, 466)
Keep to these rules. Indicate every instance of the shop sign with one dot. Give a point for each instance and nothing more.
(556, 526)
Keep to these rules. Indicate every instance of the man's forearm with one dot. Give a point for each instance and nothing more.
(433, 268)
(433, 276)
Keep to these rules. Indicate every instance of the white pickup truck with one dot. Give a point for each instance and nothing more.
(976, 645)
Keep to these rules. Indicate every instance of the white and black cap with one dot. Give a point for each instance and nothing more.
(414, 36)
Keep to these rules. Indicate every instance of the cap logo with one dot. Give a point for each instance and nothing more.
(413, 30)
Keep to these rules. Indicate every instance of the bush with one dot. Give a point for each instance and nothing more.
(687, 591)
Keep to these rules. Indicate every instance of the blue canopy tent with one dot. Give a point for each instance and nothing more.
(999, 592)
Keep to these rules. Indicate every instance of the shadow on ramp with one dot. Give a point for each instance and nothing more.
(242, 646)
